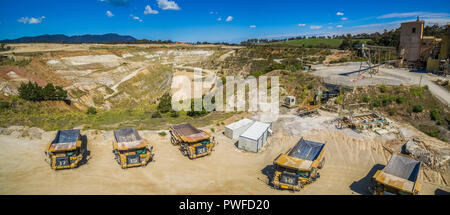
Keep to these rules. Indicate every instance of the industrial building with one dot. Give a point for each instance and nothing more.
(254, 138)
(234, 130)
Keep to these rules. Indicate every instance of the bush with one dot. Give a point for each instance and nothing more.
(162, 134)
(91, 110)
(165, 103)
(365, 99)
(400, 100)
(383, 88)
(435, 114)
(417, 91)
(417, 108)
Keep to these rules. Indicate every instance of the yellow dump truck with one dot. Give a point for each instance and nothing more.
(299, 166)
(193, 142)
(398, 177)
(130, 149)
(66, 151)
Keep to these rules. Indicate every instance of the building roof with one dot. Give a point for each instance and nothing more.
(239, 124)
(255, 131)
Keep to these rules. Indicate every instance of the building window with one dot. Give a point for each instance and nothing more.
(414, 30)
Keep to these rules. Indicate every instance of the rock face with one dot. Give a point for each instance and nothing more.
(415, 148)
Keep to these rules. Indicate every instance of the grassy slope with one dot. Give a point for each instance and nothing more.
(58, 115)
(333, 43)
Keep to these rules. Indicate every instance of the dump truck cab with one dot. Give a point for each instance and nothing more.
(399, 177)
(194, 143)
(130, 149)
(299, 166)
(66, 150)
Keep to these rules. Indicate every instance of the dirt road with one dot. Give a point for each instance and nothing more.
(350, 162)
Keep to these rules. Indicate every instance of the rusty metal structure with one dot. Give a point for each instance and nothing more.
(362, 122)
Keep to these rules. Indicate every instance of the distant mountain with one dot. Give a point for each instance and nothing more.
(61, 38)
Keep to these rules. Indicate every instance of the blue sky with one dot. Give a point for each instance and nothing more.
(211, 20)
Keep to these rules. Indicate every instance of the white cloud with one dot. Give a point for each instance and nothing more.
(330, 27)
(315, 27)
(32, 20)
(339, 26)
(168, 5)
(219, 19)
(252, 26)
(339, 14)
(135, 17)
(148, 10)
(229, 19)
(414, 14)
(344, 18)
(109, 14)
(301, 25)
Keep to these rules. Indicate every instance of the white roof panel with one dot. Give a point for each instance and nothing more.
(240, 123)
(256, 130)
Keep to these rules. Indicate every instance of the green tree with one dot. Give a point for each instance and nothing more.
(165, 103)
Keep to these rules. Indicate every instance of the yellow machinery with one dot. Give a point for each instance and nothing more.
(66, 151)
(398, 177)
(193, 142)
(311, 105)
(130, 150)
(299, 166)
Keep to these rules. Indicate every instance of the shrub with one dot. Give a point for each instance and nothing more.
(417, 108)
(417, 91)
(383, 88)
(91, 110)
(165, 103)
(162, 134)
(400, 99)
(435, 114)
(365, 99)
(213, 130)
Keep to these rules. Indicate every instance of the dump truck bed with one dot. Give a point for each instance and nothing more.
(128, 138)
(189, 133)
(65, 140)
(302, 156)
(400, 172)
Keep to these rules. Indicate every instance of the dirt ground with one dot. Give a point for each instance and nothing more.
(350, 162)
